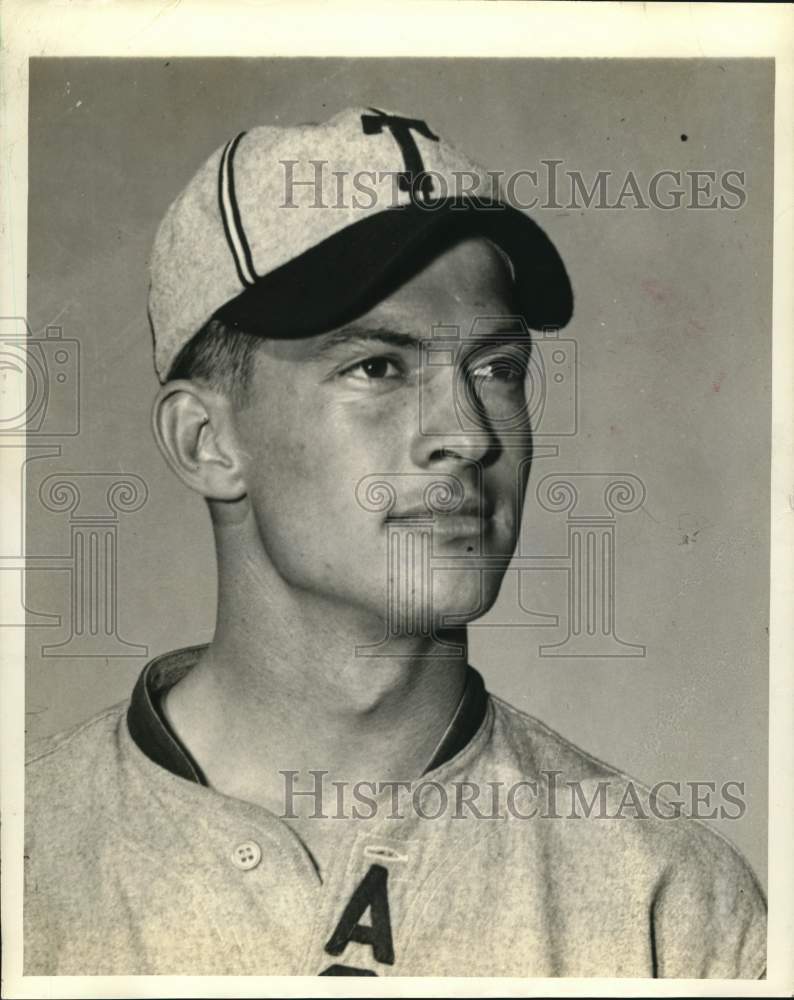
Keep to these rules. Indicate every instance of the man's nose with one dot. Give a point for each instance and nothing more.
(450, 432)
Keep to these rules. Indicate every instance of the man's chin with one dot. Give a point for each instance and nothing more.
(462, 595)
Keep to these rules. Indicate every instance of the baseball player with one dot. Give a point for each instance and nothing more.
(327, 788)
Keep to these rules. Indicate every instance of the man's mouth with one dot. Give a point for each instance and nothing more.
(450, 526)
(469, 519)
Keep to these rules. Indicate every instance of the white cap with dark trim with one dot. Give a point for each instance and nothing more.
(289, 232)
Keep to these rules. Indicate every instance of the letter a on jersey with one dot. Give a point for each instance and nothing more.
(372, 895)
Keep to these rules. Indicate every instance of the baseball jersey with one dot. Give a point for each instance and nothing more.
(135, 866)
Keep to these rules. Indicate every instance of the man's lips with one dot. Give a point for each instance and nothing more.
(470, 510)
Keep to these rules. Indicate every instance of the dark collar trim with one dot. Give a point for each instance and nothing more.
(153, 735)
(147, 723)
(465, 723)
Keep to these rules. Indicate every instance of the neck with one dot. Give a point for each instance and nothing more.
(286, 685)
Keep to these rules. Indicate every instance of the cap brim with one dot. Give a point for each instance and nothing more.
(346, 274)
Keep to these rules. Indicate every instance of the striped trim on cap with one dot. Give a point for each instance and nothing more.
(230, 214)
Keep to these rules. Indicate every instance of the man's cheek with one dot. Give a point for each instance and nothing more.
(287, 450)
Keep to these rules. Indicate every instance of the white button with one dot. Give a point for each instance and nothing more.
(247, 855)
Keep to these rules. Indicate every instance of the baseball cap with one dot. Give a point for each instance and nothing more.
(292, 231)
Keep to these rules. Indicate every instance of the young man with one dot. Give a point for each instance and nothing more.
(327, 788)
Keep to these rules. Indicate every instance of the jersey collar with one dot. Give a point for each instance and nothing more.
(153, 735)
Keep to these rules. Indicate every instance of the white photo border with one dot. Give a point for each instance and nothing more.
(458, 28)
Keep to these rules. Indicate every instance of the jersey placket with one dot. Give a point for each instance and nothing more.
(265, 872)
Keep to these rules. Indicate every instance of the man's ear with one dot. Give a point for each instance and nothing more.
(194, 429)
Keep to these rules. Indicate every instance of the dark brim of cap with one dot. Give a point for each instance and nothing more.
(348, 273)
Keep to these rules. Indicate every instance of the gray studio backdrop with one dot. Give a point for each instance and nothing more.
(663, 387)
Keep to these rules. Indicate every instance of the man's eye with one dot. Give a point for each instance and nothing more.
(505, 368)
(373, 370)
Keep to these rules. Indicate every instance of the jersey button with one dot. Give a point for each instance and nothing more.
(246, 855)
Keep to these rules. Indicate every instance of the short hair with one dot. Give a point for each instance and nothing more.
(222, 357)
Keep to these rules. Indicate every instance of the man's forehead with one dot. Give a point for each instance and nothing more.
(366, 334)
(467, 291)
(479, 265)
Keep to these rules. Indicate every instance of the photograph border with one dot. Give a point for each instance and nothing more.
(417, 28)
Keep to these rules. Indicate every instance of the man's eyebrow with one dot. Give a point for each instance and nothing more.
(363, 335)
